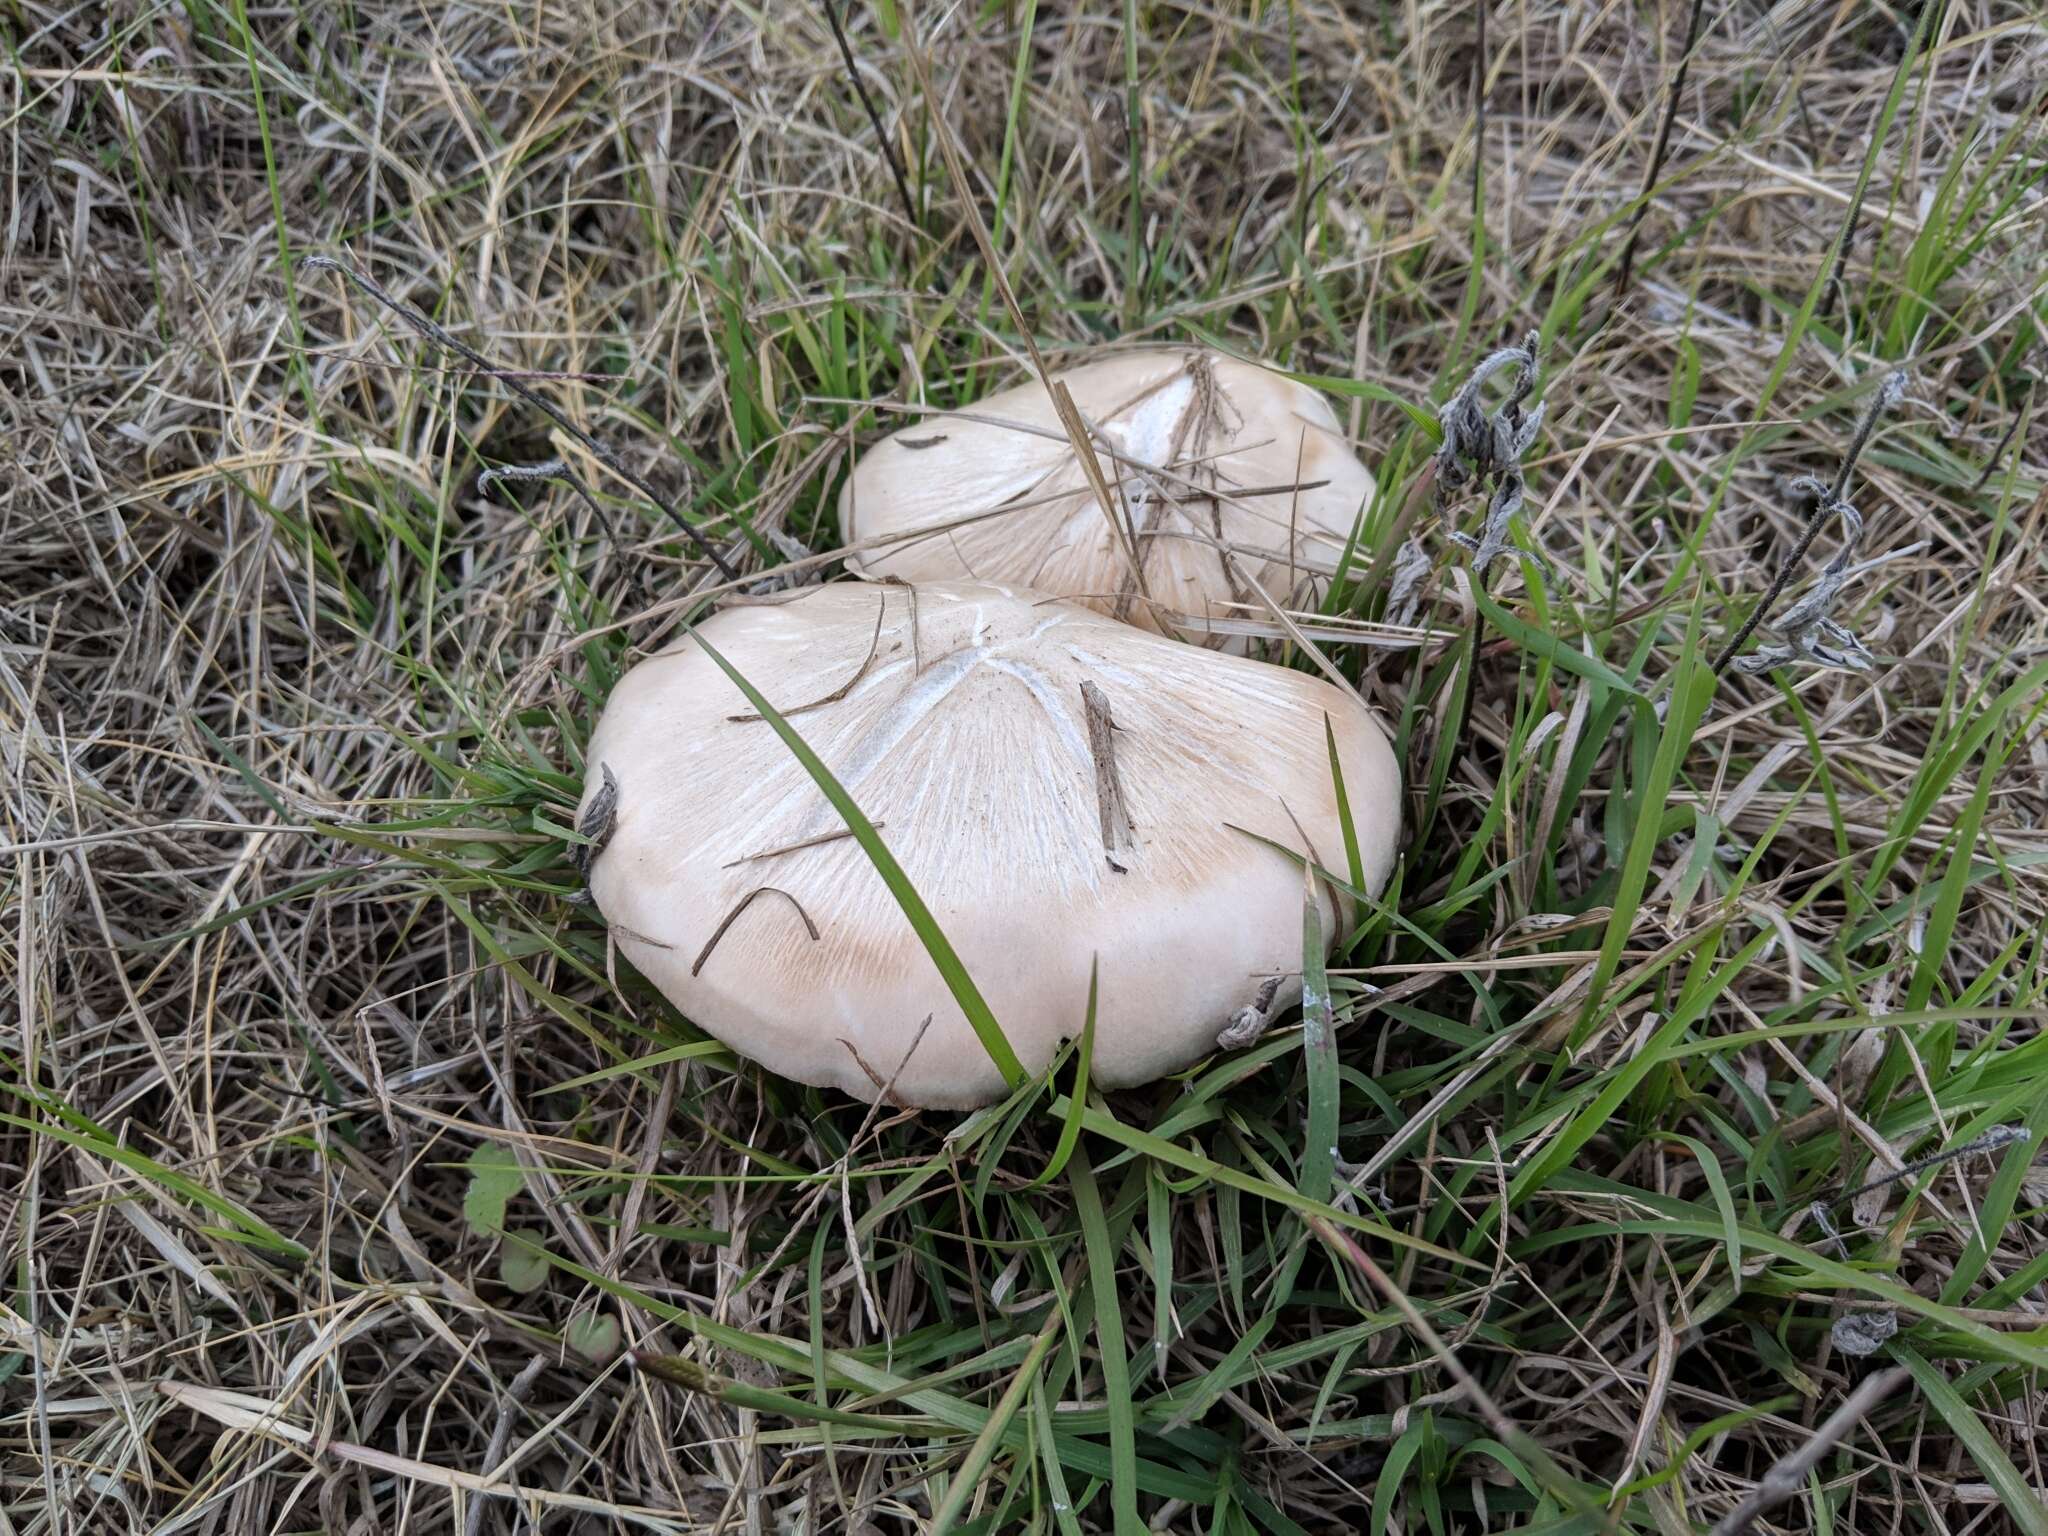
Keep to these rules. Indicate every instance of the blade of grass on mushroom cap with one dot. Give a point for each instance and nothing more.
(1352, 860)
(1070, 1128)
(979, 1015)
(1319, 1051)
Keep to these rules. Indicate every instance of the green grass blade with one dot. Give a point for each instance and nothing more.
(250, 1230)
(1070, 1127)
(1691, 691)
(983, 1451)
(1319, 1050)
(1109, 1333)
(1537, 642)
(1352, 860)
(1692, 1006)
(979, 1016)
(2022, 1503)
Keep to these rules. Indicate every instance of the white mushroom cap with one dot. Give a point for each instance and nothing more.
(954, 716)
(1213, 428)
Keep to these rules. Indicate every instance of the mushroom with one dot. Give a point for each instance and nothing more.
(1222, 471)
(1061, 789)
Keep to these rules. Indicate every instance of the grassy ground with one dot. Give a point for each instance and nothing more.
(342, 1164)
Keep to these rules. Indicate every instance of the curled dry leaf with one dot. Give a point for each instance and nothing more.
(1864, 1333)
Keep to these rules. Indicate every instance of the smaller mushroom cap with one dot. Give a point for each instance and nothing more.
(1209, 452)
(969, 723)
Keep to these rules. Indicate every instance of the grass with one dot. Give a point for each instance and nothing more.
(329, 1109)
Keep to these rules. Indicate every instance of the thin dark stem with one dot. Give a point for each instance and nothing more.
(867, 103)
(1835, 278)
(1823, 508)
(1887, 396)
(1997, 1139)
(1659, 151)
(441, 337)
(2011, 431)
(1479, 118)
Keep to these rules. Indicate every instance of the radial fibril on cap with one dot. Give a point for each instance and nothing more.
(968, 722)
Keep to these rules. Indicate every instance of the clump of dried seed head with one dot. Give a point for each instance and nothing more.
(1482, 448)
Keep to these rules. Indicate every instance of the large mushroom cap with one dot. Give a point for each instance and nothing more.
(1000, 495)
(954, 715)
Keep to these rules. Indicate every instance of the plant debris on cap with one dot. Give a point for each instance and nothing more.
(1217, 471)
(971, 724)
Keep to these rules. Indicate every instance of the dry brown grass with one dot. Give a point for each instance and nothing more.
(289, 716)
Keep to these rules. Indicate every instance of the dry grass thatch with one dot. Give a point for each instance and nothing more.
(342, 1164)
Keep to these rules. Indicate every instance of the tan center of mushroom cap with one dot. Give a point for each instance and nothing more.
(954, 714)
(998, 494)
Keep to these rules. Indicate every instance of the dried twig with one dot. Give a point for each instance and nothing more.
(810, 842)
(1863, 1333)
(885, 1090)
(520, 1389)
(2012, 429)
(1109, 789)
(1997, 1139)
(874, 646)
(882, 139)
(1479, 10)
(1657, 153)
(1788, 1476)
(1838, 286)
